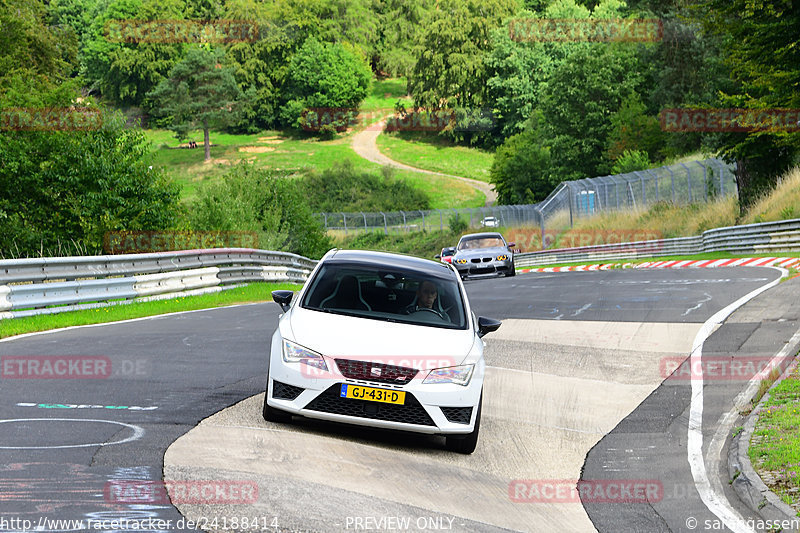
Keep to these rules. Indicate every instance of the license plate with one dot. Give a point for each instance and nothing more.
(372, 395)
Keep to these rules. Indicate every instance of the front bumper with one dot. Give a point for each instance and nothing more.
(291, 388)
(487, 269)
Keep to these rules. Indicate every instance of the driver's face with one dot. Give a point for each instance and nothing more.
(426, 294)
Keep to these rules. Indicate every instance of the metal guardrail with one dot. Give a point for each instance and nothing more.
(765, 237)
(33, 286)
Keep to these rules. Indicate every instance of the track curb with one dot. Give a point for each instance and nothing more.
(783, 262)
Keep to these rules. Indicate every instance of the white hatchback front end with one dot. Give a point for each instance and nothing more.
(364, 351)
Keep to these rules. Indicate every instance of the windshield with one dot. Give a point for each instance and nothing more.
(481, 242)
(410, 297)
(447, 252)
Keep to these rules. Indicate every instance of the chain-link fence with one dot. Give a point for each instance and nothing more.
(682, 183)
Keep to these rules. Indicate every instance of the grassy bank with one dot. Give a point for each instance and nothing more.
(255, 292)
(775, 446)
(281, 151)
(431, 151)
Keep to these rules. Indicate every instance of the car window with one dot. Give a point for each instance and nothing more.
(447, 252)
(485, 242)
(389, 295)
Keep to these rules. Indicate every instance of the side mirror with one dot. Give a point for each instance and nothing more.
(487, 325)
(512, 244)
(437, 256)
(283, 298)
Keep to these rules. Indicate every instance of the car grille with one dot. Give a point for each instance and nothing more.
(457, 415)
(331, 402)
(482, 270)
(479, 259)
(283, 391)
(378, 372)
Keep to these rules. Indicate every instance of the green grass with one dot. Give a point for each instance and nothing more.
(775, 446)
(431, 151)
(255, 292)
(385, 93)
(279, 151)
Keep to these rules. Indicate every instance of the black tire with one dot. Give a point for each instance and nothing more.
(271, 414)
(512, 272)
(466, 444)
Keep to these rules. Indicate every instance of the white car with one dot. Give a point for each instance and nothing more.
(382, 340)
(490, 222)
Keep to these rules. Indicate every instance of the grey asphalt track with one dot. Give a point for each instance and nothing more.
(63, 440)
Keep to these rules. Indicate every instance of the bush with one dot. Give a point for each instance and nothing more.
(272, 205)
(456, 223)
(521, 170)
(344, 188)
(631, 161)
(60, 187)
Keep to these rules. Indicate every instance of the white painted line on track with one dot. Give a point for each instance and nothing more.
(137, 433)
(711, 494)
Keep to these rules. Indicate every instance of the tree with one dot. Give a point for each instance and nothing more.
(450, 70)
(759, 44)
(125, 71)
(199, 92)
(520, 171)
(581, 97)
(59, 187)
(401, 26)
(323, 75)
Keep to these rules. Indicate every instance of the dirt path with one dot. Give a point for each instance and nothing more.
(365, 145)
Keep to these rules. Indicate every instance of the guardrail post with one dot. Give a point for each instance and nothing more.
(365, 220)
(423, 219)
(344, 221)
(325, 216)
(385, 227)
(441, 220)
(405, 225)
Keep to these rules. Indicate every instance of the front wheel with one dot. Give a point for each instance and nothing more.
(466, 444)
(512, 271)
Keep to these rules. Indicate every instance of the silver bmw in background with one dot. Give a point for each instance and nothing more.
(484, 254)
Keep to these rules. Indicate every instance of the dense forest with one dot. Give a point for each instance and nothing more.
(560, 108)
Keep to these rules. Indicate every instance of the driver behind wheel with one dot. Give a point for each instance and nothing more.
(425, 300)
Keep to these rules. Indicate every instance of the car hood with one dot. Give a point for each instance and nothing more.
(362, 338)
(482, 252)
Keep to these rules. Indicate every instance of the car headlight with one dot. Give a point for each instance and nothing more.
(294, 353)
(502, 257)
(460, 375)
(461, 261)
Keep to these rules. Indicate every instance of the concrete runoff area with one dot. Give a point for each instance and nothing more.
(545, 406)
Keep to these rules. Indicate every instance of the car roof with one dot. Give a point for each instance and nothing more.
(383, 259)
(485, 235)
